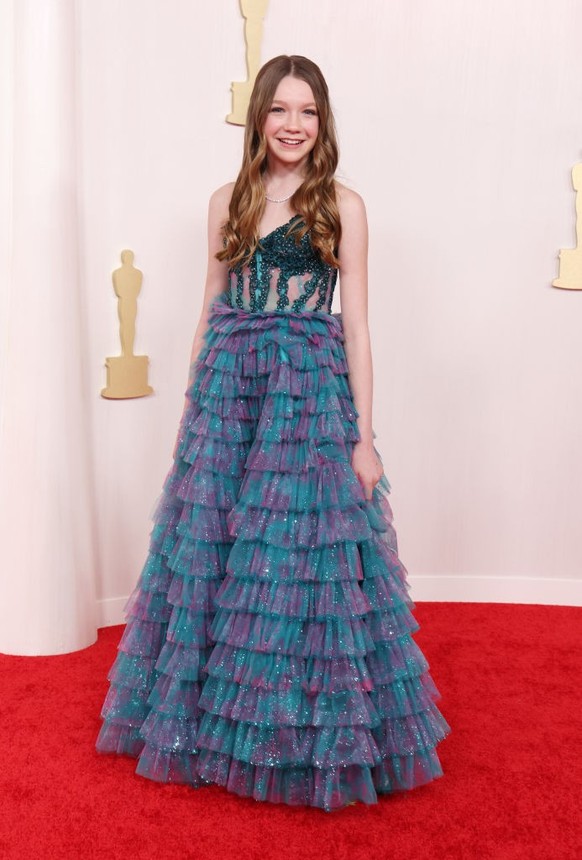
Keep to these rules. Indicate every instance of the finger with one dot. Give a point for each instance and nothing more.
(363, 485)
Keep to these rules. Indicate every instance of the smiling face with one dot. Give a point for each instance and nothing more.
(292, 123)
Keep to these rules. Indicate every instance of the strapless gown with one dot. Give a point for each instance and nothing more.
(268, 645)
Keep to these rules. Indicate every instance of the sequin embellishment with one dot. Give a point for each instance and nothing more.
(284, 275)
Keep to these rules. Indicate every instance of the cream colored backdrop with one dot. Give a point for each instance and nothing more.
(47, 491)
(459, 123)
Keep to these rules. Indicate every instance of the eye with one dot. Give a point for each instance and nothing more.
(276, 109)
(310, 112)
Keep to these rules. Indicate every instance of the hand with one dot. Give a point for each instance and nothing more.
(367, 466)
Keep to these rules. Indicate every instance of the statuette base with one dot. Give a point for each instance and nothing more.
(127, 377)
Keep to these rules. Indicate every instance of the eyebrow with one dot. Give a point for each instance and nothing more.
(281, 102)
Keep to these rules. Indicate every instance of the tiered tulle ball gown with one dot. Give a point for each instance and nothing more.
(268, 642)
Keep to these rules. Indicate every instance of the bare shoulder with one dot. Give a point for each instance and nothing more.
(223, 193)
(220, 200)
(352, 208)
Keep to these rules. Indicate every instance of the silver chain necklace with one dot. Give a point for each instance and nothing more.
(279, 200)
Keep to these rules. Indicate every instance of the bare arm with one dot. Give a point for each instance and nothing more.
(353, 255)
(216, 281)
(216, 272)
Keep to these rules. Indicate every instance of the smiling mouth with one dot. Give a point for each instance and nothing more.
(289, 141)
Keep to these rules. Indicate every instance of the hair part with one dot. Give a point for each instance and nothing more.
(315, 199)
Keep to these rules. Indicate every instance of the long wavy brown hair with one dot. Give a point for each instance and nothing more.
(315, 199)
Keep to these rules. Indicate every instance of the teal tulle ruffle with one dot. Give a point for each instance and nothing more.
(268, 645)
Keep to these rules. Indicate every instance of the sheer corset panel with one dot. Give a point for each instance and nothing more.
(283, 275)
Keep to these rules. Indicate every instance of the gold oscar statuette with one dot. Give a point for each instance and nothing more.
(127, 374)
(253, 12)
(570, 273)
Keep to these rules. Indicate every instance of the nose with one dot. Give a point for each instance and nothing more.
(292, 123)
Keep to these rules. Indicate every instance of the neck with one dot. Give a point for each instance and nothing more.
(281, 175)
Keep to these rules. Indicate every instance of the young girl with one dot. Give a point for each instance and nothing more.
(268, 642)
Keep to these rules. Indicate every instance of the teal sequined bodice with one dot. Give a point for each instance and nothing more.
(283, 275)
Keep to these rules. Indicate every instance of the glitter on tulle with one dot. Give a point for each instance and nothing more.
(268, 645)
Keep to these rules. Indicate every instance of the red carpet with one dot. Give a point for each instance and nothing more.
(511, 682)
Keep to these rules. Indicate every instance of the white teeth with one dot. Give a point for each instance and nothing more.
(290, 142)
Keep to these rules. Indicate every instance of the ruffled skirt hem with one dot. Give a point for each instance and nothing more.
(268, 646)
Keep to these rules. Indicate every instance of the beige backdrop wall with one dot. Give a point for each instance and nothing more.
(459, 123)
